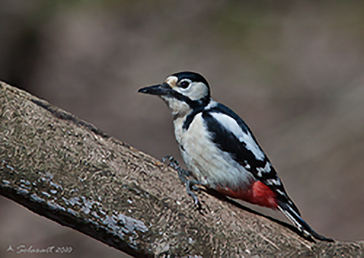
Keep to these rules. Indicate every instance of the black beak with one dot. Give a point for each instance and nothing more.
(160, 90)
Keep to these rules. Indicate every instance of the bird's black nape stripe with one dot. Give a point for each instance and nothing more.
(197, 106)
(202, 103)
(181, 97)
(194, 104)
(191, 116)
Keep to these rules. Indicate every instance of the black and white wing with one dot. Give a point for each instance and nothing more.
(232, 135)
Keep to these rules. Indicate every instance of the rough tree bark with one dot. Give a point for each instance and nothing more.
(67, 170)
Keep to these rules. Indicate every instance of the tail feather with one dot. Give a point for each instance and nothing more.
(302, 226)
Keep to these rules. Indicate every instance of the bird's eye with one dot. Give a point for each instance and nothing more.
(184, 84)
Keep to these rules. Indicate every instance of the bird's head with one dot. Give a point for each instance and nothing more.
(182, 91)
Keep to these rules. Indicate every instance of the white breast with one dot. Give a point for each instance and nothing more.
(208, 163)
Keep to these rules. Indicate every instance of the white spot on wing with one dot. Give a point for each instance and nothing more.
(274, 181)
(230, 124)
(266, 169)
(282, 193)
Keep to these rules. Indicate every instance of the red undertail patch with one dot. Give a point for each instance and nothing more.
(258, 193)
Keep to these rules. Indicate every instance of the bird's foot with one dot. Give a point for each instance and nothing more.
(191, 186)
(183, 174)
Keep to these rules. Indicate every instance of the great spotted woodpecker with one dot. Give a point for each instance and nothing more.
(219, 149)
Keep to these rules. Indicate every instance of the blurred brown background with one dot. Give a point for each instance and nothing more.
(293, 71)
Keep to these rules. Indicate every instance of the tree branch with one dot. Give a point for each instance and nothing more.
(69, 171)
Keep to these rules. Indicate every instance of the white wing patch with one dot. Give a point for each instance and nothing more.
(266, 169)
(230, 124)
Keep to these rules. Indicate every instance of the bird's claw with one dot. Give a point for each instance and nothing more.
(190, 187)
(183, 175)
(171, 162)
(169, 159)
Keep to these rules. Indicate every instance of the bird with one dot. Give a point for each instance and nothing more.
(220, 150)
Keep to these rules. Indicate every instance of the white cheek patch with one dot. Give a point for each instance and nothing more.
(199, 91)
(196, 91)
